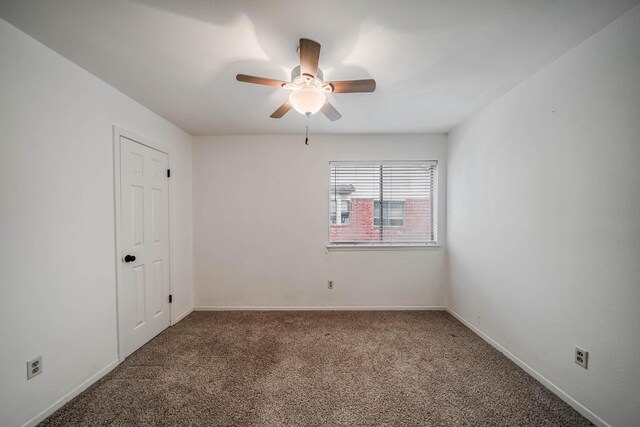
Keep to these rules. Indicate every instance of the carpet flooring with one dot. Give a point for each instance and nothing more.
(317, 369)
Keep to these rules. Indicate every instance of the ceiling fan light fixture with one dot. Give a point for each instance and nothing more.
(307, 100)
(308, 85)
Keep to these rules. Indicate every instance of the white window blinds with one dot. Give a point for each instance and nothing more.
(382, 202)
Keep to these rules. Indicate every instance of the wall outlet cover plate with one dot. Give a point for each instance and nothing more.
(581, 357)
(34, 367)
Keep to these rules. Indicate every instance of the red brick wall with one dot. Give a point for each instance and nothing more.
(417, 214)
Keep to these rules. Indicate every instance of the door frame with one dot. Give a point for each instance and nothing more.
(117, 134)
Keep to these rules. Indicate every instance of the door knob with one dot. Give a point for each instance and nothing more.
(129, 258)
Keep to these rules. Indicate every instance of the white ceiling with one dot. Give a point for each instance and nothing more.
(435, 62)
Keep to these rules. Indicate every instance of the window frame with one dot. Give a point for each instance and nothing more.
(372, 245)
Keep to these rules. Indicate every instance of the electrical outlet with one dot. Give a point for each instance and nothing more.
(330, 284)
(582, 357)
(34, 367)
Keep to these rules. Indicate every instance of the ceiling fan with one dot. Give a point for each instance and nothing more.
(307, 85)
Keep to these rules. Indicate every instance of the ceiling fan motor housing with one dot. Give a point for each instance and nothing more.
(300, 81)
(296, 73)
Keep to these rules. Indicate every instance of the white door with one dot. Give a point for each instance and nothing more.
(144, 202)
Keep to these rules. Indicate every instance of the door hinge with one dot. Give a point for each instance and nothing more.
(168, 173)
(170, 299)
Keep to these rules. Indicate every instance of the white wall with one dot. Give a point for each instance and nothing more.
(261, 218)
(544, 221)
(57, 256)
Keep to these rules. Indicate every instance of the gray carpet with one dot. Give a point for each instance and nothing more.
(317, 368)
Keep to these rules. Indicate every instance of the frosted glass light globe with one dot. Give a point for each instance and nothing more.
(307, 100)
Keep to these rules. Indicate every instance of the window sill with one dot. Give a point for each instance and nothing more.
(383, 246)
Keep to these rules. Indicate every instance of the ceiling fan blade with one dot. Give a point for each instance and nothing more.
(260, 80)
(309, 57)
(350, 86)
(282, 110)
(330, 111)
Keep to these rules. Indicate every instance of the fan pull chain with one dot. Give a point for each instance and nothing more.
(306, 134)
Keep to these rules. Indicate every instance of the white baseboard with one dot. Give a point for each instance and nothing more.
(73, 393)
(535, 374)
(182, 316)
(319, 308)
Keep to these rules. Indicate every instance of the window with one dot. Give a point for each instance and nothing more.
(393, 213)
(372, 203)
